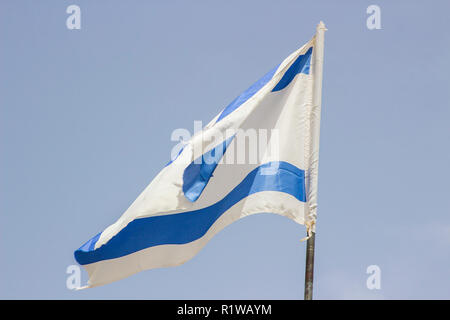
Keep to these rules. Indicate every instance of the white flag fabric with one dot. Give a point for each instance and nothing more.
(254, 157)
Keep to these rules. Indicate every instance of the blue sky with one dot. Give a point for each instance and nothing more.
(86, 117)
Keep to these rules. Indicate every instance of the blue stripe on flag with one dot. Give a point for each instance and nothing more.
(175, 158)
(301, 65)
(184, 227)
(247, 94)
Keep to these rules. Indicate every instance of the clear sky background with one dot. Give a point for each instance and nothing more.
(86, 117)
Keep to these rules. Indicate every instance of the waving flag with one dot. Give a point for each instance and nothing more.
(259, 155)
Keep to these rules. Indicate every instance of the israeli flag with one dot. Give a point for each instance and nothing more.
(259, 155)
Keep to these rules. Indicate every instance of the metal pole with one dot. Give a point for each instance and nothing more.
(309, 269)
(317, 65)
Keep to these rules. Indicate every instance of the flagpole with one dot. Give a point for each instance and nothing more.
(314, 155)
